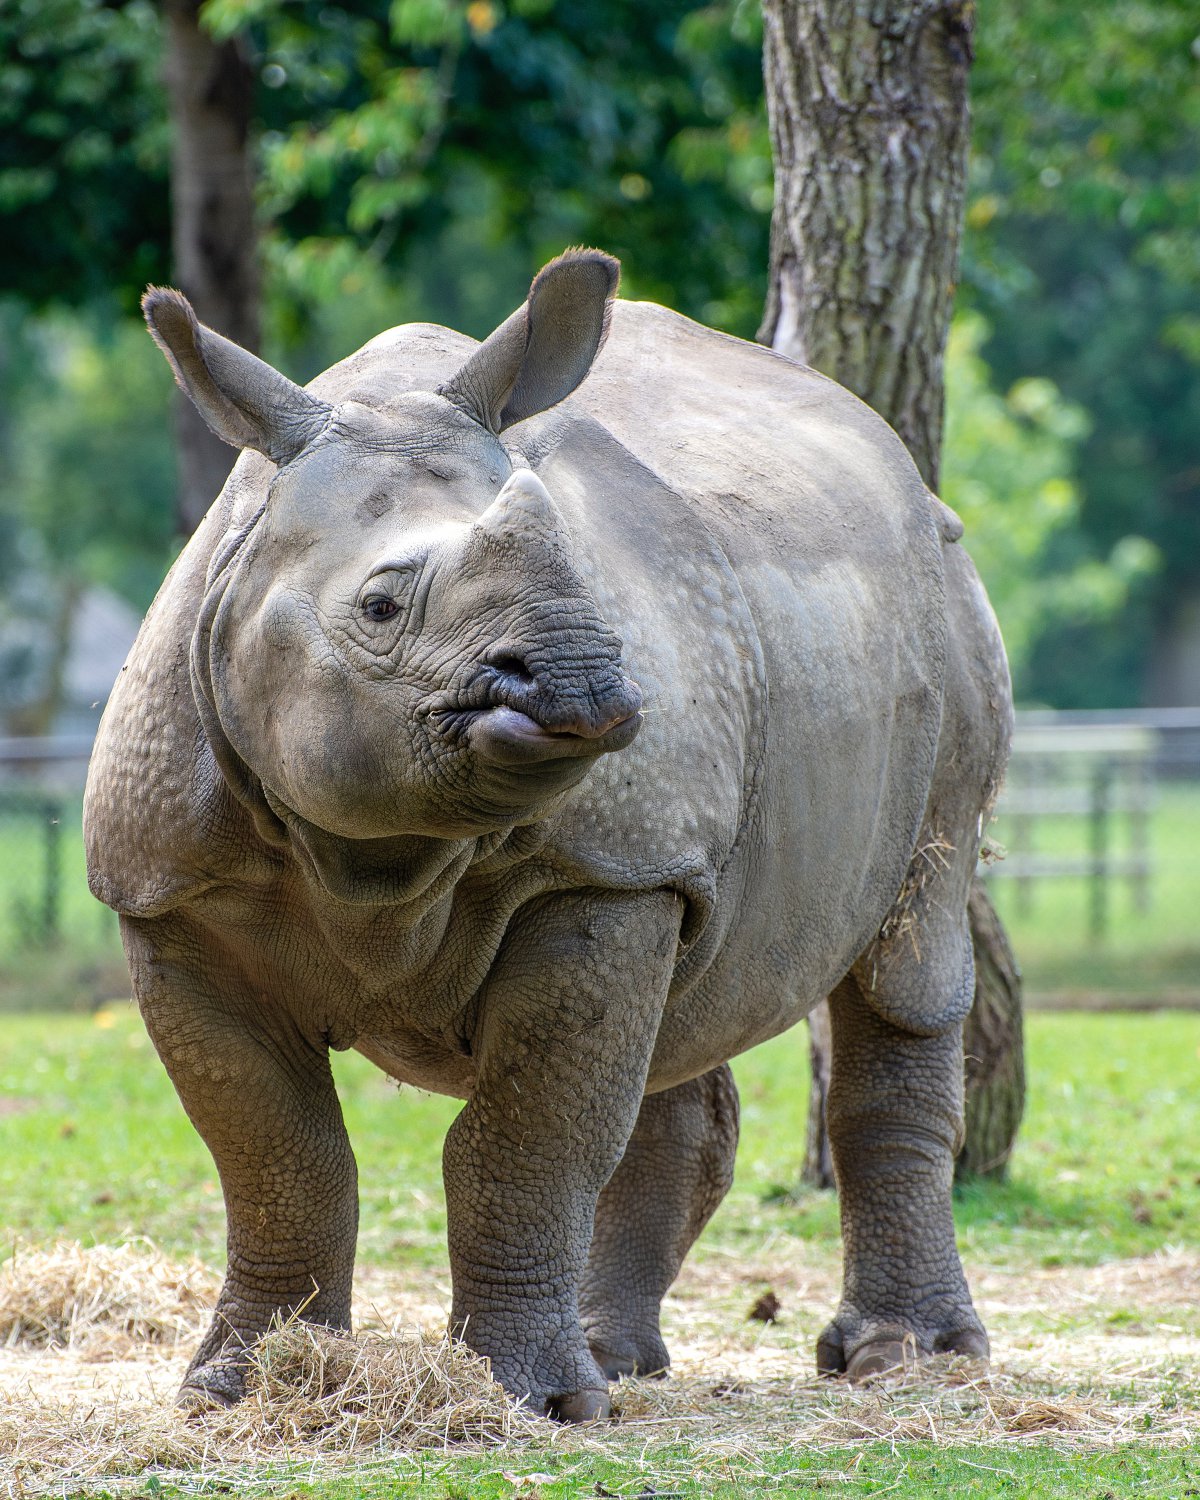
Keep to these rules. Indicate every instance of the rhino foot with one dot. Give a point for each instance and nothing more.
(579, 1406)
(859, 1350)
(645, 1355)
(212, 1387)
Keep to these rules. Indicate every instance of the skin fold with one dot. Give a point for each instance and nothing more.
(551, 719)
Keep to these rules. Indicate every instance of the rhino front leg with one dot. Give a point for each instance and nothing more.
(262, 1097)
(895, 1122)
(677, 1167)
(564, 1039)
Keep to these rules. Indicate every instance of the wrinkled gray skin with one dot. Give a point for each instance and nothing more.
(550, 755)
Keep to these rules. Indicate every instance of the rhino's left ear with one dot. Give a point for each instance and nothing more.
(245, 401)
(537, 357)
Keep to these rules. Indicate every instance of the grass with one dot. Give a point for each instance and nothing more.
(96, 1147)
(915, 1472)
(1143, 954)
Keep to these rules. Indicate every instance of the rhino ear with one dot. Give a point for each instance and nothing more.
(539, 355)
(243, 400)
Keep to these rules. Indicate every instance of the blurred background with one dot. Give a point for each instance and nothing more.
(358, 165)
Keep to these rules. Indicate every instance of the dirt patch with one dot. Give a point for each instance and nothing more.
(88, 1375)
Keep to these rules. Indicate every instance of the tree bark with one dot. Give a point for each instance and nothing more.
(994, 1047)
(214, 235)
(869, 128)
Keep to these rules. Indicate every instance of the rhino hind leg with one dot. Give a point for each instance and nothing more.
(895, 1125)
(263, 1099)
(676, 1169)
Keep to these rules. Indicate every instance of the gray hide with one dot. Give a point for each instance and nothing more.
(551, 752)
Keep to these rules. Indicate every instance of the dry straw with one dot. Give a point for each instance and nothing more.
(320, 1399)
(109, 1297)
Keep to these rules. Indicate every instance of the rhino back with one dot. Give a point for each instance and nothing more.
(833, 541)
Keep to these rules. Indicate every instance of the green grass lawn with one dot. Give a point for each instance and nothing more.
(918, 1471)
(94, 1146)
(1143, 954)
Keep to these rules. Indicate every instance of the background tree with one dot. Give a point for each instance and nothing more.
(869, 124)
(214, 231)
(1082, 254)
(419, 158)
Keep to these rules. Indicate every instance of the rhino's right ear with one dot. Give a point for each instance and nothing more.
(243, 400)
(536, 358)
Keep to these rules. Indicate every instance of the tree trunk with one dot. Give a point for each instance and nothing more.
(869, 126)
(818, 1157)
(994, 1045)
(214, 236)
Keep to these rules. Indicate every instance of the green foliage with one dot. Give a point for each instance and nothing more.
(83, 150)
(456, 141)
(1009, 472)
(1081, 249)
(88, 474)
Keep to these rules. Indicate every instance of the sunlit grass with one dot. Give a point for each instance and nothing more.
(95, 1146)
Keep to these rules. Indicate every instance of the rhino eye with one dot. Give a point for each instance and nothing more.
(380, 607)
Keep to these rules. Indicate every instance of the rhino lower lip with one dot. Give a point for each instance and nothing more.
(506, 737)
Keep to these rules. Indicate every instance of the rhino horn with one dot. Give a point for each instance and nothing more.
(245, 401)
(540, 354)
(524, 513)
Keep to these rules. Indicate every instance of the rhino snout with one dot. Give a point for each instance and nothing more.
(507, 737)
(532, 718)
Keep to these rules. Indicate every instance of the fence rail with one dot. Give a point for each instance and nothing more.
(1077, 804)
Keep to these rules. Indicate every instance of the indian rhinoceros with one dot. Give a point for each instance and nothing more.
(550, 753)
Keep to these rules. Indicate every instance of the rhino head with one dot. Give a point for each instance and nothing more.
(400, 640)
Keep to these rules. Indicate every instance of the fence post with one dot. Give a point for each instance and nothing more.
(1023, 828)
(1098, 821)
(1139, 842)
(52, 885)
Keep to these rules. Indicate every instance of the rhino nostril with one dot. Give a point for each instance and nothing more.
(511, 665)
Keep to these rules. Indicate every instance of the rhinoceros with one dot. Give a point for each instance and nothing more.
(550, 720)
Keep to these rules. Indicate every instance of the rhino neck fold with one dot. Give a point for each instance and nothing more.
(409, 870)
(240, 779)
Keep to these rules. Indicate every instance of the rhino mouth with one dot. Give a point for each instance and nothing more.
(506, 736)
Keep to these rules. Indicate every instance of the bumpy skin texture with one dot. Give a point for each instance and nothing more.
(377, 775)
(677, 1167)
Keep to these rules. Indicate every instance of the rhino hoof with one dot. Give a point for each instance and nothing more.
(647, 1358)
(881, 1357)
(580, 1406)
(213, 1389)
(971, 1343)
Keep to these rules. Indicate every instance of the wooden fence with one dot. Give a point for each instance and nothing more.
(1100, 776)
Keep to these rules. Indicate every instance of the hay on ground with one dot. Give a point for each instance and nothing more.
(311, 1393)
(322, 1398)
(337, 1392)
(107, 1297)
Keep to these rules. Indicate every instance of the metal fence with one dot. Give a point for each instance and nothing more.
(44, 900)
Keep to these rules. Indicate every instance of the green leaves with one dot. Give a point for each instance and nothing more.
(1009, 472)
(1081, 250)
